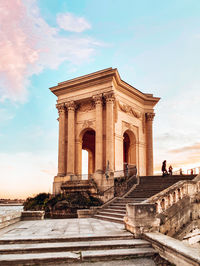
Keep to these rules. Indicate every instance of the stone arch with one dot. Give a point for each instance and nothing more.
(87, 139)
(129, 148)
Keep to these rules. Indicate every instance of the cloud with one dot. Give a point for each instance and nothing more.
(28, 45)
(70, 22)
(193, 148)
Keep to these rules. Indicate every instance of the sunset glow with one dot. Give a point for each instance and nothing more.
(154, 45)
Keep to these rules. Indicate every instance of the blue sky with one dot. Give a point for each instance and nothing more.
(154, 45)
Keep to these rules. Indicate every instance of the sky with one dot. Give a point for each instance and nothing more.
(155, 46)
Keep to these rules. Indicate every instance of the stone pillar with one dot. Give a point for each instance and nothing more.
(61, 144)
(99, 134)
(149, 142)
(78, 157)
(110, 129)
(71, 138)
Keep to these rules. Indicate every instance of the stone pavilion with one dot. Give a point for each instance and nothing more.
(109, 118)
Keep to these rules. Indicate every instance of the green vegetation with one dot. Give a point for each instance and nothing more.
(64, 205)
(36, 203)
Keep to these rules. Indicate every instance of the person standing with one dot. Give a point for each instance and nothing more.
(170, 170)
(164, 169)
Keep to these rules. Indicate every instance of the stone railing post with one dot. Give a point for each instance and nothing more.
(141, 218)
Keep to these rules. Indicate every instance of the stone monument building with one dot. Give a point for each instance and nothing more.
(109, 118)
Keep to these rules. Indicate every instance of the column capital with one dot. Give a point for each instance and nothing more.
(109, 96)
(149, 116)
(97, 99)
(61, 108)
(70, 105)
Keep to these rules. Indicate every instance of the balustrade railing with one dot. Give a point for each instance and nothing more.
(123, 181)
(190, 171)
(173, 194)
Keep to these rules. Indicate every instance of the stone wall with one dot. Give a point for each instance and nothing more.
(9, 219)
(32, 215)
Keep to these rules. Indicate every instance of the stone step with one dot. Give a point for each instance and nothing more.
(114, 211)
(72, 246)
(125, 235)
(108, 218)
(117, 208)
(121, 207)
(35, 258)
(101, 255)
(118, 204)
(130, 200)
(76, 257)
(111, 214)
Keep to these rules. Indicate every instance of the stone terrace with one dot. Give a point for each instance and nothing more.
(72, 241)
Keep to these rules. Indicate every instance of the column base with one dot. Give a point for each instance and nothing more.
(60, 174)
(99, 171)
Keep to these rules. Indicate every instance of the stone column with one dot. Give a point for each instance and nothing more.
(71, 138)
(110, 129)
(61, 143)
(78, 157)
(149, 142)
(99, 134)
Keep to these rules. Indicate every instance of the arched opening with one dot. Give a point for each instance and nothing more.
(129, 148)
(88, 144)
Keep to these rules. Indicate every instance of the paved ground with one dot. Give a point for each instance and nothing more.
(71, 228)
(60, 228)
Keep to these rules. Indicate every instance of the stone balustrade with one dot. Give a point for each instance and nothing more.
(10, 218)
(173, 194)
(174, 207)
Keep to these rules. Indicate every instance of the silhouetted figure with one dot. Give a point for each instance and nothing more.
(170, 170)
(192, 171)
(181, 171)
(164, 169)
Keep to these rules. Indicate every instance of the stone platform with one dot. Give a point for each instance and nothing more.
(64, 241)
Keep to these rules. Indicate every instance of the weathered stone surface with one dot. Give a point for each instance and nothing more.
(96, 255)
(11, 218)
(32, 215)
(174, 250)
(62, 230)
(73, 246)
(69, 241)
(141, 218)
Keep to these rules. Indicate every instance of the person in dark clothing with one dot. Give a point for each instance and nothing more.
(164, 169)
(170, 170)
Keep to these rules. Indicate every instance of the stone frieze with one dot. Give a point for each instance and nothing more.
(86, 106)
(129, 110)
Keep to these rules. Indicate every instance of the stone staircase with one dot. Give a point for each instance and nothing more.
(147, 187)
(116, 210)
(151, 185)
(40, 251)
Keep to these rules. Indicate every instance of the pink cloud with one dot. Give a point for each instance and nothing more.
(28, 45)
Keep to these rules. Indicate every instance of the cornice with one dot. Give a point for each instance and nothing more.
(103, 76)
